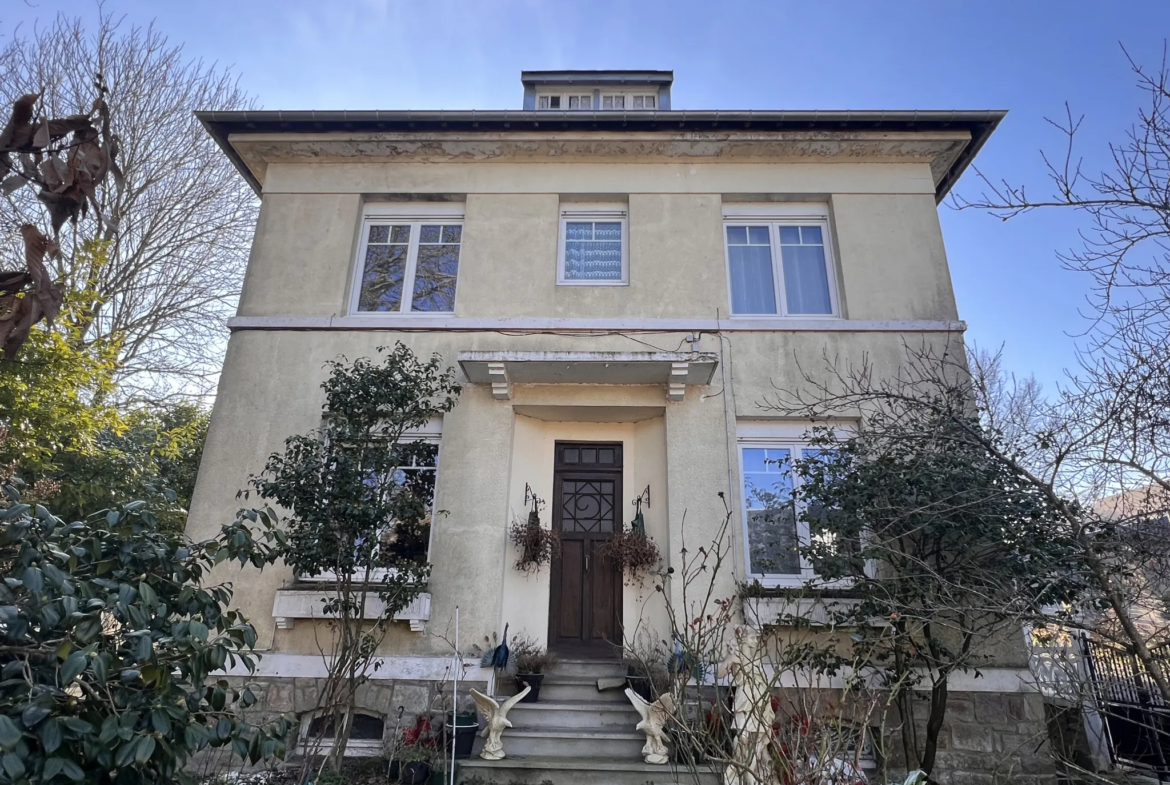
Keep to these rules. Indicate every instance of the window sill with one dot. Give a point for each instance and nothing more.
(593, 283)
(792, 317)
(293, 604)
(761, 612)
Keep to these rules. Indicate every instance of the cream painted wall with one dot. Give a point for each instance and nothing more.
(888, 242)
(892, 266)
(270, 389)
(301, 254)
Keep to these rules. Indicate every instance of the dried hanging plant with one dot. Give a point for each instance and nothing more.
(535, 544)
(65, 160)
(633, 549)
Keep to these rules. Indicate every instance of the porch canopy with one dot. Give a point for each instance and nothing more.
(674, 370)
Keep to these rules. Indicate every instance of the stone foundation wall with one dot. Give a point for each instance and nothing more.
(380, 697)
(986, 738)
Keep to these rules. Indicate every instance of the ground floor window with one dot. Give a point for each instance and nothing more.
(773, 529)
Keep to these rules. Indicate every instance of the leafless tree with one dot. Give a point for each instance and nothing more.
(176, 228)
(1107, 438)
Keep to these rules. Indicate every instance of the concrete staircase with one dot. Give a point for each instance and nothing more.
(574, 735)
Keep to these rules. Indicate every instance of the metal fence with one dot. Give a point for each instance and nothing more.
(1136, 714)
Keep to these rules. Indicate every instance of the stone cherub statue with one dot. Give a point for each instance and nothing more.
(495, 716)
(753, 712)
(655, 716)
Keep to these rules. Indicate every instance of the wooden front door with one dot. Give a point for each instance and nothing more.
(585, 611)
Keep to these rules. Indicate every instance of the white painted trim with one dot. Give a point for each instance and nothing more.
(430, 321)
(313, 666)
(594, 212)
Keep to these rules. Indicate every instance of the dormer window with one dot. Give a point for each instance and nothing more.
(628, 101)
(574, 102)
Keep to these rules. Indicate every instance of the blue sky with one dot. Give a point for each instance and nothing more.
(1028, 57)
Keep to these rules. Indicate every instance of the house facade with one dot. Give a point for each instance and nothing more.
(622, 287)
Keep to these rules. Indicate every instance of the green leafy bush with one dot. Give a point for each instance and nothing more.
(110, 639)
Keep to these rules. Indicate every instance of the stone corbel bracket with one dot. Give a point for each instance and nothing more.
(501, 387)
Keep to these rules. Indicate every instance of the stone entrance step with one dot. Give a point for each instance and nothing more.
(593, 669)
(552, 742)
(573, 714)
(521, 770)
(560, 688)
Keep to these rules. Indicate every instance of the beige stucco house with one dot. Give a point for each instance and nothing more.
(619, 284)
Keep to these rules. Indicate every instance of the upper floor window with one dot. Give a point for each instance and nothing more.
(629, 101)
(408, 262)
(779, 261)
(574, 101)
(594, 250)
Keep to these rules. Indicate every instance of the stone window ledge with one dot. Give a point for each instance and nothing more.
(293, 604)
(761, 612)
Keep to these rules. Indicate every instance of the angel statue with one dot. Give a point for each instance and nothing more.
(752, 707)
(654, 718)
(495, 717)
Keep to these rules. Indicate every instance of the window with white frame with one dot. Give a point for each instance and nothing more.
(418, 465)
(773, 529)
(629, 101)
(408, 260)
(573, 101)
(779, 260)
(594, 248)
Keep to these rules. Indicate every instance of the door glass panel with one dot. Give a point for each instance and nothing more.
(587, 506)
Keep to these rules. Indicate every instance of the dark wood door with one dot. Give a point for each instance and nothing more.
(585, 612)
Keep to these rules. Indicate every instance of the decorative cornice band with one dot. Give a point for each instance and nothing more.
(540, 324)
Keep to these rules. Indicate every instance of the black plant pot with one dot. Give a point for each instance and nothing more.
(395, 769)
(642, 686)
(533, 680)
(465, 727)
(415, 772)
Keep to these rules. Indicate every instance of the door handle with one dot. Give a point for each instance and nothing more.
(586, 562)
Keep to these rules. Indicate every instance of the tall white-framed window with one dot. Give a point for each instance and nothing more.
(418, 472)
(594, 246)
(780, 260)
(773, 532)
(408, 259)
(635, 101)
(580, 101)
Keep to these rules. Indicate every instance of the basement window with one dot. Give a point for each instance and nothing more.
(365, 737)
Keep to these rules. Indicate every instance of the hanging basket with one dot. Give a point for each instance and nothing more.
(535, 544)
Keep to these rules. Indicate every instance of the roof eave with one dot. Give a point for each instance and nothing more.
(981, 124)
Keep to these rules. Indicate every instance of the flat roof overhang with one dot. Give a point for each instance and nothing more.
(975, 126)
(673, 370)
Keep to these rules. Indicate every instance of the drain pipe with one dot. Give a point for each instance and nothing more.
(455, 698)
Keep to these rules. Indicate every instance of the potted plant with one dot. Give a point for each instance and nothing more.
(415, 764)
(532, 660)
(647, 674)
(462, 726)
(415, 751)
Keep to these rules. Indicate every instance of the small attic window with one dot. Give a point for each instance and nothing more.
(574, 102)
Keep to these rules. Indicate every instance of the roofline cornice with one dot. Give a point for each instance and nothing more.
(980, 124)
